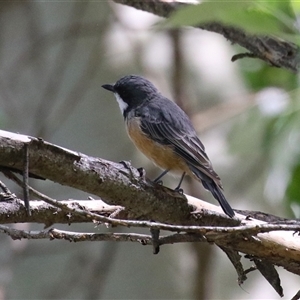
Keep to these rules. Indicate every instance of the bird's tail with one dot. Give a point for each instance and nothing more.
(214, 188)
(218, 194)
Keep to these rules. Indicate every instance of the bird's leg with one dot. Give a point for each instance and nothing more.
(178, 189)
(25, 180)
(157, 180)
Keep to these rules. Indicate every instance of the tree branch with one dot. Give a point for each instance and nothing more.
(144, 239)
(116, 183)
(14, 211)
(276, 52)
(122, 185)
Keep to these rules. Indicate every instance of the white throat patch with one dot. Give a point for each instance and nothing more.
(123, 105)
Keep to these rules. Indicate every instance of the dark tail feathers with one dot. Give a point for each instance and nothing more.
(218, 194)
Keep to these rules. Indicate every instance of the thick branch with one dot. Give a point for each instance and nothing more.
(117, 184)
(274, 51)
(125, 186)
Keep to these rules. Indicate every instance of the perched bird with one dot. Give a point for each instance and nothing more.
(164, 133)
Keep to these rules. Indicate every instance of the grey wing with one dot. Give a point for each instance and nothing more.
(177, 131)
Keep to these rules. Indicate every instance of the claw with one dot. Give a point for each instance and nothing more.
(126, 164)
(179, 190)
(142, 173)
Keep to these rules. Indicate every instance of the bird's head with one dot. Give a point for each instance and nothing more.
(131, 91)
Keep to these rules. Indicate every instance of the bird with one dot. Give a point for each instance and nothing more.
(163, 132)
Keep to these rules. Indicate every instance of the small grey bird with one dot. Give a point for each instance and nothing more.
(164, 133)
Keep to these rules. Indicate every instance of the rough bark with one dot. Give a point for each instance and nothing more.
(120, 184)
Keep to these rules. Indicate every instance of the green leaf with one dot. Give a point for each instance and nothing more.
(295, 6)
(282, 11)
(293, 189)
(252, 16)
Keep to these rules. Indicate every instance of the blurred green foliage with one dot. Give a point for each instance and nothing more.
(263, 76)
(293, 189)
(256, 17)
(275, 137)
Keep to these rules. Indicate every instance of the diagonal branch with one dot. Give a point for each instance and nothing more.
(115, 183)
(125, 186)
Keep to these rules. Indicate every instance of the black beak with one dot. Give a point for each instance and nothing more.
(109, 87)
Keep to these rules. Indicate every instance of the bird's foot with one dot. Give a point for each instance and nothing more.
(126, 164)
(159, 182)
(179, 190)
(142, 173)
(132, 172)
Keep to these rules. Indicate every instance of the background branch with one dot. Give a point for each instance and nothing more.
(276, 52)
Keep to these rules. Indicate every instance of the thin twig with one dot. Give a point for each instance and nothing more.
(4, 188)
(63, 206)
(243, 55)
(155, 239)
(211, 230)
(145, 239)
(26, 179)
